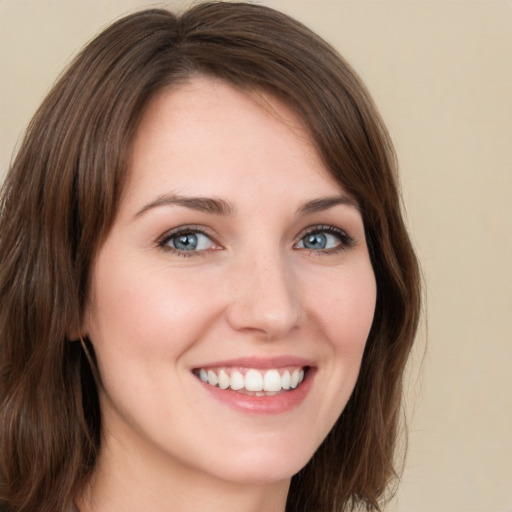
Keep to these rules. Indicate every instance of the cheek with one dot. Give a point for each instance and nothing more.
(348, 309)
(139, 312)
(344, 308)
(142, 320)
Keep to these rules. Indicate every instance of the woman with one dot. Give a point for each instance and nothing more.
(208, 292)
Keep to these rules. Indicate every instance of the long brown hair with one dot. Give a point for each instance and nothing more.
(59, 201)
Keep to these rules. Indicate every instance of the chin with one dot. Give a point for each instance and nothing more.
(261, 465)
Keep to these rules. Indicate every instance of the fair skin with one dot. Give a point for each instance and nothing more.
(233, 251)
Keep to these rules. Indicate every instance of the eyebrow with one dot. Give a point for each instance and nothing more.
(222, 207)
(324, 203)
(202, 204)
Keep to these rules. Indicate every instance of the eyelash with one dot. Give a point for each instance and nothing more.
(184, 230)
(346, 241)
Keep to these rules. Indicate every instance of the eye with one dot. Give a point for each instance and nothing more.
(187, 240)
(326, 239)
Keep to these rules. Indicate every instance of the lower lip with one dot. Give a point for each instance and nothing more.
(274, 404)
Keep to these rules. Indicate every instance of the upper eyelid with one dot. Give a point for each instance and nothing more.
(186, 228)
(322, 227)
(197, 228)
(347, 241)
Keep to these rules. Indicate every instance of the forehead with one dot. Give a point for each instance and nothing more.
(214, 138)
(203, 102)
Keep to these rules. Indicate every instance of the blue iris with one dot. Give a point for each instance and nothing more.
(186, 242)
(315, 241)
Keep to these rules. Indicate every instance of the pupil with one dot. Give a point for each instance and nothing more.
(186, 242)
(315, 241)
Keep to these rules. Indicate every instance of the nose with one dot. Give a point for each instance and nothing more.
(264, 298)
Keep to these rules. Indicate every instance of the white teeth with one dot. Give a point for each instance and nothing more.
(285, 380)
(224, 380)
(294, 381)
(272, 381)
(237, 381)
(253, 381)
(259, 382)
(212, 378)
(296, 378)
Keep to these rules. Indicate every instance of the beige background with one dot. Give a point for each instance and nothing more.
(441, 72)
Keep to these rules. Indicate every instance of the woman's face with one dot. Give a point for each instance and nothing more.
(235, 259)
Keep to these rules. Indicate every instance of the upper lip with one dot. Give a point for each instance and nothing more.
(261, 363)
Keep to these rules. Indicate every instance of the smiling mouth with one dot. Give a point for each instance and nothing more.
(251, 381)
